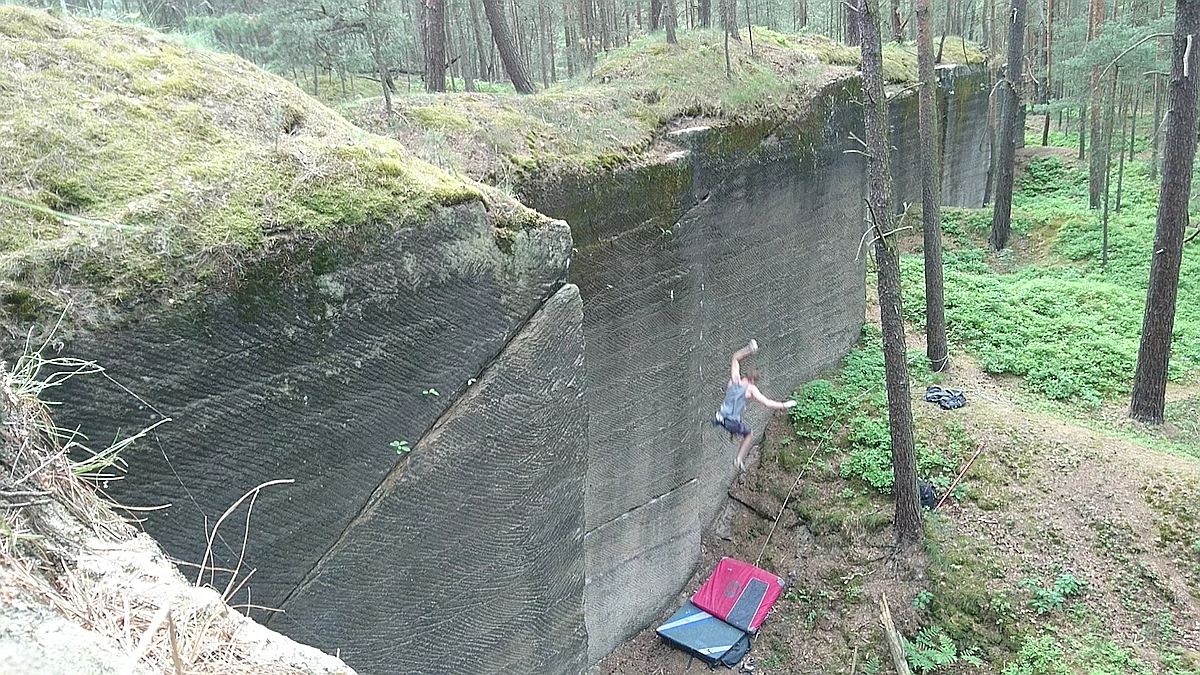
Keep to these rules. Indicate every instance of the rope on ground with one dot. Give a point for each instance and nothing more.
(785, 500)
(804, 468)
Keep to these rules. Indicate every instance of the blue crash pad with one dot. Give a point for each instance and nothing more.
(704, 635)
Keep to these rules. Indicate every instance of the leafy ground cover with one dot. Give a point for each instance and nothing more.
(1052, 310)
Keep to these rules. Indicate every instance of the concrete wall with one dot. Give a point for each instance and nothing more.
(965, 138)
(542, 516)
(311, 378)
(470, 554)
(751, 233)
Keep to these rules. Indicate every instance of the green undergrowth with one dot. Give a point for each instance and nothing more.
(132, 166)
(842, 442)
(1050, 310)
(609, 116)
(848, 417)
(983, 607)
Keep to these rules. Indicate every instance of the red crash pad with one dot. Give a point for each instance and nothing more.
(739, 593)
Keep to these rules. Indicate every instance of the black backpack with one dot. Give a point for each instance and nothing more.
(948, 399)
(928, 494)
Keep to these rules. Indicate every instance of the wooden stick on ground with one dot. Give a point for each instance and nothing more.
(958, 477)
(895, 645)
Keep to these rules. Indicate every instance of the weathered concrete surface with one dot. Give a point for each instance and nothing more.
(747, 233)
(35, 640)
(311, 378)
(963, 107)
(764, 245)
(476, 540)
(965, 135)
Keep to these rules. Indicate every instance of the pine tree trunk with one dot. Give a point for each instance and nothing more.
(516, 69)
(931, 191)
(375, 42)
(1158, 122)
(853, 11)
(543, 36)
(1082, 126)
(1095, 160)
(1137, 104)
(433, 21)
(1009, 119)
(384, 76)
(749, 28)
(879, 201)
(480, 48)
(586, 21)
(670, 22)
(1097, 155)
(520, 39)
(601, 25)
(1049, 62)
(704, 13)
(454, 41)
(552, 43)
(1121, 152)
(1150, 379)
(1109, 123)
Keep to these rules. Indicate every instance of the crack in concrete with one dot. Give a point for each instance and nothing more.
(655, 500)
(378, 492)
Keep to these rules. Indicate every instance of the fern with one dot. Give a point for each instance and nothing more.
(931, 650)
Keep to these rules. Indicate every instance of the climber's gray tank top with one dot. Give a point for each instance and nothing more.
(735, 401)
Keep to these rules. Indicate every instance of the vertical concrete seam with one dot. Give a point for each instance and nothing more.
(376, 492)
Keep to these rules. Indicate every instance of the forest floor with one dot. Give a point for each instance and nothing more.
(1048, 496)
(1072, 544)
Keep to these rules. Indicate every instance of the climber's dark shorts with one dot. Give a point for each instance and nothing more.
(732, 426)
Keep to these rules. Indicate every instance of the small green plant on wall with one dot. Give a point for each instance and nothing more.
(401, 447)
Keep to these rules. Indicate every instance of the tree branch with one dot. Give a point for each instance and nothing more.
(1131, 48)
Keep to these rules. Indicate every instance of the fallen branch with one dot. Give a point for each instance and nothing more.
(21, 505)
(894, 641)
(757, 511)
(958, 478)
(24, 493)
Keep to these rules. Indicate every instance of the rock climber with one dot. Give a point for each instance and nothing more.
(742, 387)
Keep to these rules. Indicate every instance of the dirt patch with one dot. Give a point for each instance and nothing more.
(1027, 154)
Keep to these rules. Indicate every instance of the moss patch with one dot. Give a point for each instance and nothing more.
(164, 168)
(1174, 497)
(613, 116)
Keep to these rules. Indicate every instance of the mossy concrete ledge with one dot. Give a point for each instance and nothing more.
(304, 301)
(135, 173)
